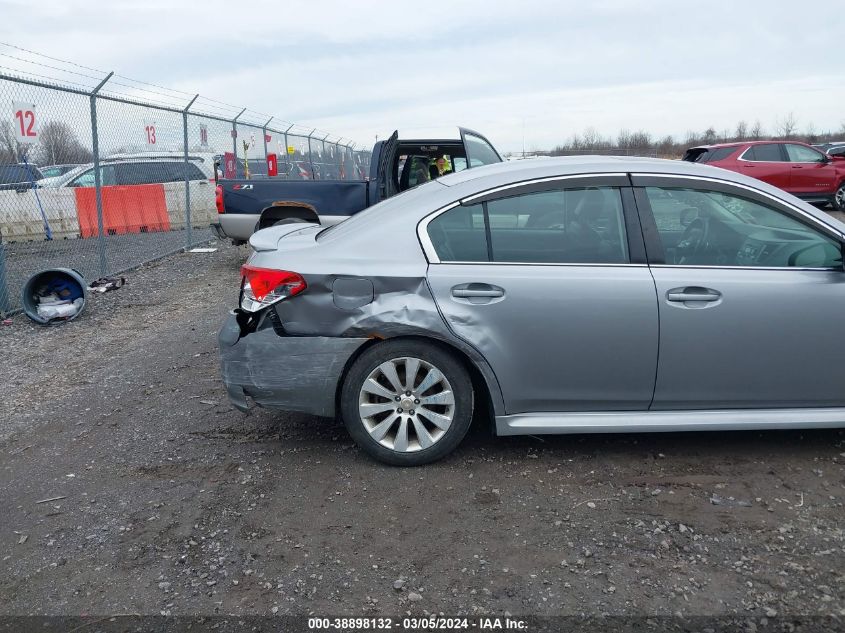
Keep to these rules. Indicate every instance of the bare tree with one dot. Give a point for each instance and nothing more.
(60, 145)
(640, 140)
(786, 126)
(741, 132)
(810, 135)
(10, 150)
(757, 131)
(710, 135)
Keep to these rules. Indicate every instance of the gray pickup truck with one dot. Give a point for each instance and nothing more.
(245, 206)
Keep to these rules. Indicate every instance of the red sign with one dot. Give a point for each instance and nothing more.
(267, 138)
(272, 165)
(229, 167)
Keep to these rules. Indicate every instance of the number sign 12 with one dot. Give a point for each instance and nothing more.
(25, 122)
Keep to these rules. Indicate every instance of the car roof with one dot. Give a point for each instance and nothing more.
(744, 143)
(394, 214)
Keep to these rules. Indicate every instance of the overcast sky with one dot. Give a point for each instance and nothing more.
(552, 69)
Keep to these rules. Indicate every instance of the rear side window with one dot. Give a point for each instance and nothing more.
(720, 153)
(459, 235)
(768, 152)
(143, 173)
(562, 226)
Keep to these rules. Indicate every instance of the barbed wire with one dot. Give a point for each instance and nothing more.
(142, 89)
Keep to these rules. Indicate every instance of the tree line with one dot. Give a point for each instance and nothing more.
(57, 145)
(668, 146)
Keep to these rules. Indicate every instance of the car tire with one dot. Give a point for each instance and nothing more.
(839, 197)
(441, 390)
(288, 221)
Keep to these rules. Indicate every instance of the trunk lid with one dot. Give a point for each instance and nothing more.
(295, 234)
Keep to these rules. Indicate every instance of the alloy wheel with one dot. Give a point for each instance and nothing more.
(406, 404)
(839, 197)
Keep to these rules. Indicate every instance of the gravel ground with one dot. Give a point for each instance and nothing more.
(129, 485)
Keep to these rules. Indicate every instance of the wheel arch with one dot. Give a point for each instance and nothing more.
(488, 398)
(285, 210)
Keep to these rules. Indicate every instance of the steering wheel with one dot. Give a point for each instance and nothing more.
(695, 241)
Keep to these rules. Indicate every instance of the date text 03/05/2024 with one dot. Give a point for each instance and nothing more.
(415, 623)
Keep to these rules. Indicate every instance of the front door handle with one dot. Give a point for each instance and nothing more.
(682, 295)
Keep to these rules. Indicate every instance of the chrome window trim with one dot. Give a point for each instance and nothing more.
(431, 254)
(812, 219)
(770, 268)
(567, 264)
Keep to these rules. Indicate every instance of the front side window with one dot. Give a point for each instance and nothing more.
(699, 227)
(86, 178)
(565, 226)
(801, 154)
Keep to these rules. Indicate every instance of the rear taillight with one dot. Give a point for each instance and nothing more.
(263, 287)
(218, 199)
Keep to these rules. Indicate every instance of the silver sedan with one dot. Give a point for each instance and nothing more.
(576, 295)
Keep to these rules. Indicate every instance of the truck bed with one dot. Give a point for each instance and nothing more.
(326, 197)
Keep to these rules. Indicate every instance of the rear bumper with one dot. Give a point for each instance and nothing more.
(291, 373)
(236, 226)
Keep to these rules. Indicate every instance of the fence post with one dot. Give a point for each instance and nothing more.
(311, 156)
(188, 237)
(5, 302)
(98, 181)
(235, 138)
(264, 132)
(287, 156)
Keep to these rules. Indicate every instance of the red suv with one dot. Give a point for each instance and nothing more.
(798, 168)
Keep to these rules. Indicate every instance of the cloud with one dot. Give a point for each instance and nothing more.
(553, 68)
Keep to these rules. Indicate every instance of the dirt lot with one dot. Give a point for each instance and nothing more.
(167, 500)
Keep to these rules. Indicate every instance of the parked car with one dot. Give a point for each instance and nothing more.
(18, 176)
(51, 171)
(798, 168)
(569, 295)
(245, 206)
(826, 147)
(135, 170)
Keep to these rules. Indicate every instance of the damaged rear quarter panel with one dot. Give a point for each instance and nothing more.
(339, 270)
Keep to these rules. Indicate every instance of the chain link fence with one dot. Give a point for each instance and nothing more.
(101, 174)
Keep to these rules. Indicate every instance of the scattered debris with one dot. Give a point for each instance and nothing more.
(106, 284)
(51, 499)
(716, 500)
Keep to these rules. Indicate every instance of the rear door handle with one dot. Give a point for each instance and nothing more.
(682, 295)
(477, 293)
(466, 292)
